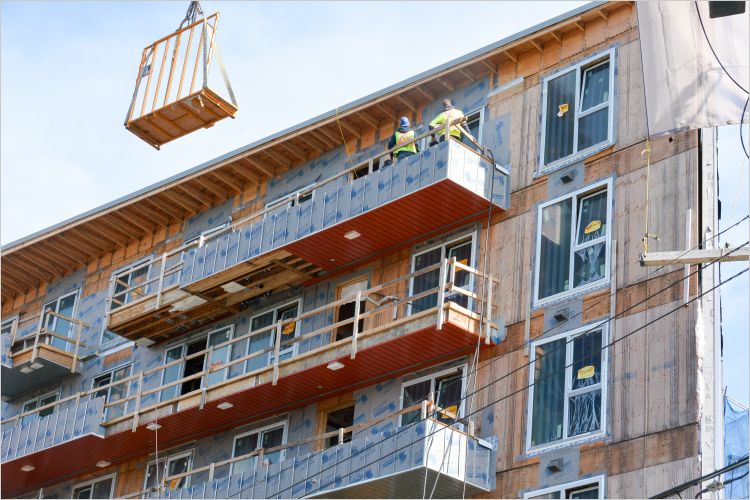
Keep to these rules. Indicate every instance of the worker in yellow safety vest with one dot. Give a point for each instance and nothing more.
(400, 140)
(452, 115)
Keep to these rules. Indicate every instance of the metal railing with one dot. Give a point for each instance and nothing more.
(184, 60)
(387, 305)
(51, 338)
(168, 276)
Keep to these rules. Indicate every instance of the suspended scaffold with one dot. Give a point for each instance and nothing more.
(172, 97)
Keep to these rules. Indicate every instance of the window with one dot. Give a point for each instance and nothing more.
(64, 306)
(38, 402)
(446, 387)
(567, 392)
(585, 488)
(169, 466)
(8, 327)
(101, 487)
(266, 438)
(463, 250)
(208, 233)
(364, 169)
(127, 281)
(268, 339)
(474, 124)
(577, 116)
(114, 393)
(573, 242)
(196, 364)
(346, 310)
(297, 198)
(339, 419)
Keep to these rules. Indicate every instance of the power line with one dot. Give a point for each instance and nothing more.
(598, 326)
(693, 482)
(404, 428)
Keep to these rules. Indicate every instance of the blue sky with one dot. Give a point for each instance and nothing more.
(67, 71)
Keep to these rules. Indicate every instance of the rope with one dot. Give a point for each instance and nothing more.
(343, 139)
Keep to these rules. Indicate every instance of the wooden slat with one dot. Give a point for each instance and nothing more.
(429, 95)
(79, 257)
(230, 181)
(195, 193)
(129, 218)
(295, 150)
(329, 143)
(53, 258)
(72, 238)
(82, 234)
(208, 184)
(259, 164)
(282, 160)
(114, 237)
(36, 271)
(125, 229)
(369, 120)
(350, 128)
(243, 171)
(181, 201)
(166, 205)
(695, 256)
(150, 214)
(313, 142)
(445, 83)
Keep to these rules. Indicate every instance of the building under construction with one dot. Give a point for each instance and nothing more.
(303, 318)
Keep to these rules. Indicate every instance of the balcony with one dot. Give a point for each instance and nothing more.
(293, 362)
(49, 354)
(334, 226)
(393, 464)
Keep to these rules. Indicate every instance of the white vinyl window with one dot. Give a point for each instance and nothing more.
(113, 393)
(293, 199)
(577, 117)
(167, 467)
(266, 339)
(462, 249)
(567, 388)
(206, 234)
(101, 487)
(585, 488)
(127, 280)
(266, 437)
(38, 402)
(447, 389)
(573, 242)
(64, 306)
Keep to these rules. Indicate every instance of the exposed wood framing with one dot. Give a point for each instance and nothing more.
(407, 102)
(445, 83)
(536, 45)
(296, 151)
(350, 128)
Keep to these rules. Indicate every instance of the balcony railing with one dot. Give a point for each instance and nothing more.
(167, 279)
(462, 296)
(48, 353)
(426, 444)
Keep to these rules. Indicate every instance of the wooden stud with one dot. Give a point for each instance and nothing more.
(243, 173)
(333, 138)
(489, 66)
(134, 220)
(294, 150)
(556, 36)
(179, 200)
(602, 14)
(536, 45)
(103, 229)
(362, 115)
(323, 139)
(49, 262)
(54, 254)
(195, 193)
(387, 110)
(467, 74)
(350, 128)
(511, 56)
(80, 233)
(150, 214)
(125, 229)
(445, 83)
(259, 164)
(163, 204)
(579, 25)
(42, 272)
(407, 102)
(230, 181)
(12, 284)
(282, 160)
(208, 184)
(312, 142)
(428, 95)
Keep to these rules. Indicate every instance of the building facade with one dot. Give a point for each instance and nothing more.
(301, 317)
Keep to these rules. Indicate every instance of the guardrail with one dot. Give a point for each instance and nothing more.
(474, 293)
(170, 263)
(53, 338)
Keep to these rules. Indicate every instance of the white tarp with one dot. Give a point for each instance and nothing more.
(685, 85)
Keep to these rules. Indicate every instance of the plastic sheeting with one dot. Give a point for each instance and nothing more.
(685, 85)
(735, 447)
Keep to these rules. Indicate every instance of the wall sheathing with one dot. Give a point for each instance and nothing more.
(653, 424)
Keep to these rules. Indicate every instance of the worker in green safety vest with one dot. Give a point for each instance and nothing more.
(456, 118)
(400, 140)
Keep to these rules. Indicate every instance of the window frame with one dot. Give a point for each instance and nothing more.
(480, 112)
(92, 482)
(166, 460)
(77, 295)
(576, 197)
(58, 395)
(111, 372)
(203, 235)
(293, 199)
(275, 309)
(580, 69)
(569, 336)
(472, 236)
(432, 377)
(150, 260)
(598, 481)
(270, 427)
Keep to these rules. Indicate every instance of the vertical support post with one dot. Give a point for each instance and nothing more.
(527, 323)
(211, 472)
(441, 293)
(205, 53)
(35, 350)
(161, 280)
(77, 327)
(472, 427)
(423, 413)
(613, 289)
(488, 315)
(688, 238)
(341, 435)
(276, 350)
(355, 327)
(137, 409)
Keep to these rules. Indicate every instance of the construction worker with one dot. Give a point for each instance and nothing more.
(452, 115)
(401, 137)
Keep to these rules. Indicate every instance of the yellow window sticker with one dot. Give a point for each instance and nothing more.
(450, 411)
(586, 372)
(562, 109)
(289, 328)
(464, 262)
(594, 225)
